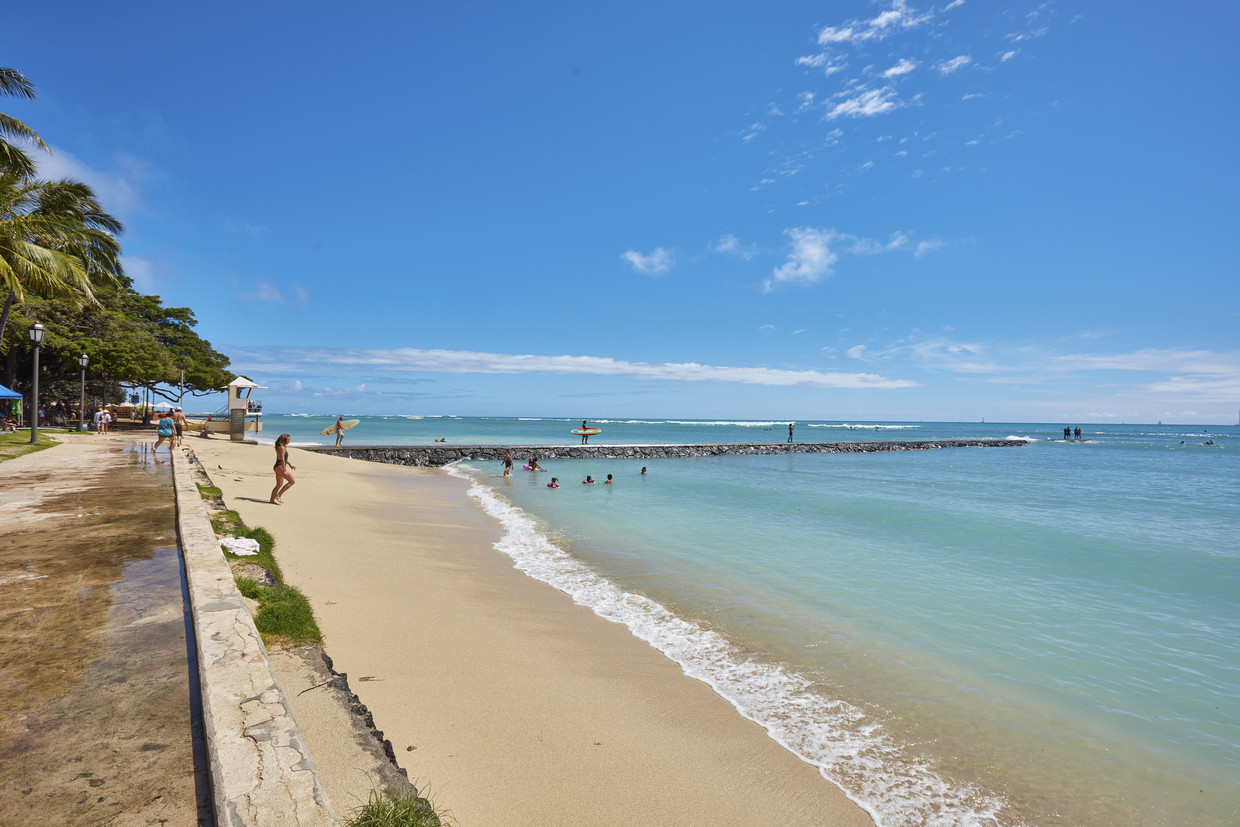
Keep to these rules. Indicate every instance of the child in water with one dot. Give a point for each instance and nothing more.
(555, 483)
(589, 480)
(608, 480)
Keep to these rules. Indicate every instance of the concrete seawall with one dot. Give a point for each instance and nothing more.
(436, 455)
(260, 768)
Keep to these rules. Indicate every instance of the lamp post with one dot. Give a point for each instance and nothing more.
(36, 331)
(83, 360)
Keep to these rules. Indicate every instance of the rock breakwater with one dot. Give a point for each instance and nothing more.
(437, 455)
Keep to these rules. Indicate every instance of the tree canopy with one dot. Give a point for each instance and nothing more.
(130, 338)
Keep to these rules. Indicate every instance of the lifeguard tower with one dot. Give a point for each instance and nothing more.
(241, 404)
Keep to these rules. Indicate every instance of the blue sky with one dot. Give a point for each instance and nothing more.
(834, 210)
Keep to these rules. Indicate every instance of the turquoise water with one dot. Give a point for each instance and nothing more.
(1047, 634)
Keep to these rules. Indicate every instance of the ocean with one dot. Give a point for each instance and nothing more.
(1047, 634)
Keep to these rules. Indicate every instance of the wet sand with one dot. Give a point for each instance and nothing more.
(95, 721)
(506, 702)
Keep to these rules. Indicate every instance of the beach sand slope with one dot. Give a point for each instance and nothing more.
(507, 703)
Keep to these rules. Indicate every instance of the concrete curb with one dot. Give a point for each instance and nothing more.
(260, 768)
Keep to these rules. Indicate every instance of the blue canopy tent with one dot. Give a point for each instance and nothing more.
(8, 407)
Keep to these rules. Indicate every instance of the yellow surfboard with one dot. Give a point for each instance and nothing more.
(346, 425)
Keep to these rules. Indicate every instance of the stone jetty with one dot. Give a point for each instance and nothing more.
(437, 455)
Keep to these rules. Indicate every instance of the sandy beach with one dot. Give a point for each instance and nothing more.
(506, 702)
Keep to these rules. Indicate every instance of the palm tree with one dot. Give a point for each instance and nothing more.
(55, 239)
(54, 236)
(14, 84)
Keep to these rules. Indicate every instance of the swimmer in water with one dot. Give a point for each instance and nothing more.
(607, 481)
(589, 480)
(555, 483)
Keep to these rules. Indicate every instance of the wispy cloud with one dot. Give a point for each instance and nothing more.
(815, 252)
(118, 190)
(303, 360)
(730, 245)
(655, 264)
(897, 18)
(902, 68)
(267, 293)
(865, 104)
(957, 63)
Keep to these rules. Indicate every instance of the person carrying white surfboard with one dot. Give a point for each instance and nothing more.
(339, 430)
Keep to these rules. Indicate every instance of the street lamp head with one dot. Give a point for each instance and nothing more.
(36, 331)
(83, 360)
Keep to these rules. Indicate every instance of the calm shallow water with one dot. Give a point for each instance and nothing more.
(1046, 634)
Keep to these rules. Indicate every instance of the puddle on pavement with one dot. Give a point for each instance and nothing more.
(97, 721)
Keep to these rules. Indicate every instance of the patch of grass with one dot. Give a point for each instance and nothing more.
(209, 492)
(13, 445)
(229, 523)
(285, 615)
(393, 808)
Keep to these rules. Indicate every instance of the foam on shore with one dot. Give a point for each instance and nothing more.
(848, 747)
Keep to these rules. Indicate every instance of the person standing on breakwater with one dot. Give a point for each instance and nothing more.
(1067, 434)
(507, 463)
(585, 438)
(339, 430)
(790, 432)
(1076, 432)
(284, 479)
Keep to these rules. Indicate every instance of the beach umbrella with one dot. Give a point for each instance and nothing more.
(168, 405)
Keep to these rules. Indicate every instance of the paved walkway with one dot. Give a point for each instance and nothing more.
(95, 690)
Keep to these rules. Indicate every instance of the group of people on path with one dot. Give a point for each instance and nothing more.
(172, 428)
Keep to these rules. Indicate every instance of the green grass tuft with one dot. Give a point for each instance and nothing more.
(285, 613)
(209, 492)
(392, 808)
(249, 588)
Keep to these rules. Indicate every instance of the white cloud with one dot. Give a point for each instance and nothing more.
(655, 264)
(957, 63)
(273, 360)
(953, 4)
(865, 104)
(265, 291)
(730, 245)
(902, 68)
(924, 247)
(147, 274)
(809, 262)
(815, 252)
(885, 23)
(1006, 56)
(116, 191)
(855, 352)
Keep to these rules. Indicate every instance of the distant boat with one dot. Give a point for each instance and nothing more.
(983, 420)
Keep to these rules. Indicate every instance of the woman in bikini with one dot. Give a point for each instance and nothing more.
(283, 469)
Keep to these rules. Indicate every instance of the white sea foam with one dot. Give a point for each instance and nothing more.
(850, 427)
(848, 747)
